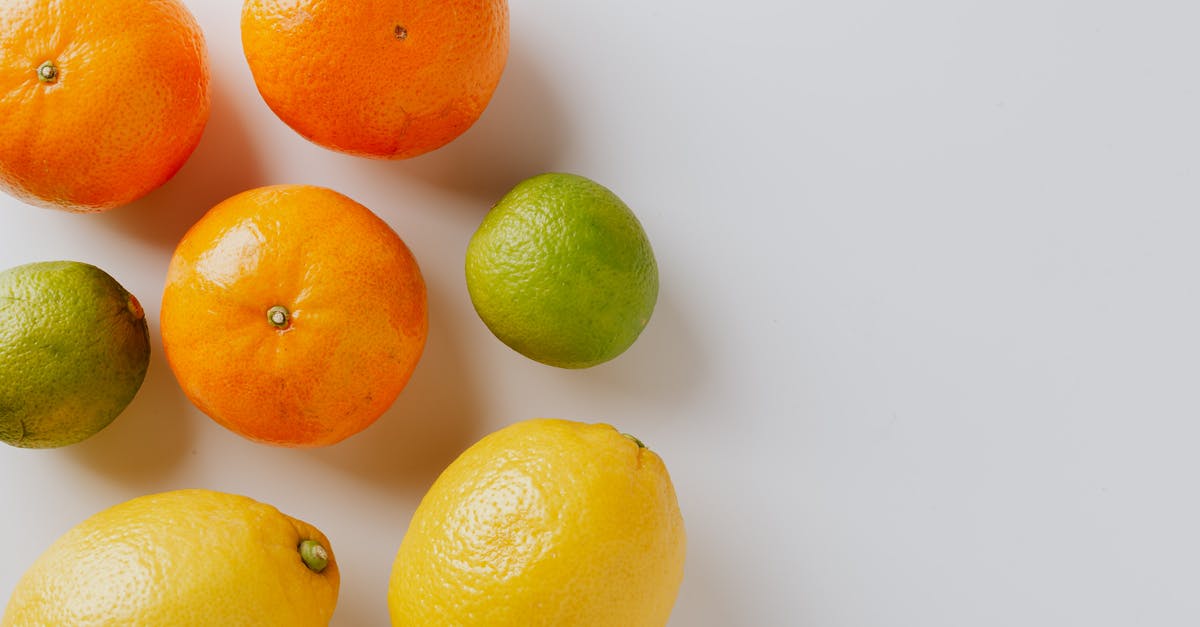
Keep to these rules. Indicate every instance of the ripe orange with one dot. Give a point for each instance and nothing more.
(293, 315)
(102, 100)
(377, 78)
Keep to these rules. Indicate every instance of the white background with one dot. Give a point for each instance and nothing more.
(928, 341)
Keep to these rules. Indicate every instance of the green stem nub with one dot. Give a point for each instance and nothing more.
(47, 72)
(635, 440)
(279, 317)
(314, 556)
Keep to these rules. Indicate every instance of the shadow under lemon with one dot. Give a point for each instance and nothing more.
(436, 416)
(151, 437)
(224, 163)
(523, 132)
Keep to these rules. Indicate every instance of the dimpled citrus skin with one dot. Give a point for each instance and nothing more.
(562, 272)
(74, 349)
(192, 558)
(354, 295)
(376, 78)
(126, 109)
(545, 522)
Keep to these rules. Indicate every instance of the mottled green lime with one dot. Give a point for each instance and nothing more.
(562, 272)
(74, 349)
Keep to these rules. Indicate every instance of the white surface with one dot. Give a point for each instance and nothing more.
(926, 350)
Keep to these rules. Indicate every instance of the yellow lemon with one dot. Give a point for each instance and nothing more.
(544, 522)
(191, 558)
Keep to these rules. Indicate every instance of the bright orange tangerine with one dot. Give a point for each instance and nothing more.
(101, 101)
(293, 315)
(377, 78)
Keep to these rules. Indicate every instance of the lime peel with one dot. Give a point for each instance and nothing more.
(562, 271)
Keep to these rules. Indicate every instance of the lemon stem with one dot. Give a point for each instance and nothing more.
(314, 555)
(635, 440)
(279, 316)
(47, 72)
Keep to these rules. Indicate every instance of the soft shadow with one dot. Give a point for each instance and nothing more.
(357, 609)
(223, 164)
(150, 437)
(665, 363)
(523, 132)
(435, 418)
(704, 598)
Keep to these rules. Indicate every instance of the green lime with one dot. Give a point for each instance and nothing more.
(562, 272)
(74, 349)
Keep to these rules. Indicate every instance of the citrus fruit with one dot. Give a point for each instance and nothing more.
(544, 522)
(102, 100)
(190, 557)
(293, 315)
(73, 352)
(562, 272)
(376, 78)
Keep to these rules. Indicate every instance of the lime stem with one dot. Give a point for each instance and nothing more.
(47, 72)
(135, 307)
(279, 316)
(314, 555)
(635, 440)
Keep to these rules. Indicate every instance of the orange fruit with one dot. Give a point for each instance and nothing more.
(102, 100)
(376, 78)
(293, 315)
